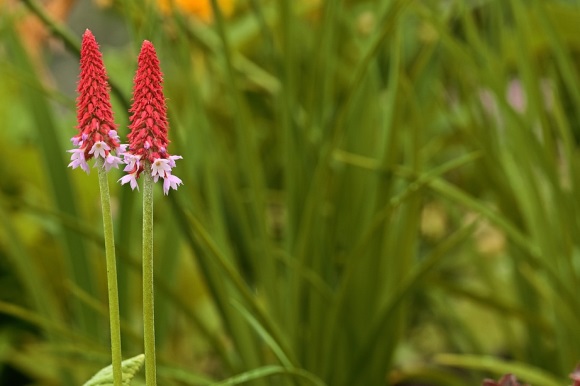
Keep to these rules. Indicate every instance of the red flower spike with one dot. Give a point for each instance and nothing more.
(148, 136)
(97, 135)
(148, 125)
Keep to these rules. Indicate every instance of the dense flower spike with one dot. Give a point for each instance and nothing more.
(97, 136)
(148, 126)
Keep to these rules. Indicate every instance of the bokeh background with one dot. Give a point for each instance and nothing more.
(375, 192)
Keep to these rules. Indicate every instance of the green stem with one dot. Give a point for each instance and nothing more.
(148, 306)
(114, 318)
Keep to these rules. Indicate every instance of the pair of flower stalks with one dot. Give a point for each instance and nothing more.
(146, 153)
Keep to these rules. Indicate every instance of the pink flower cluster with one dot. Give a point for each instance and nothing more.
(97, 137)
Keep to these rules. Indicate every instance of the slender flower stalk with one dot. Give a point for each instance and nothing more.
(148, 291)
(97, 138)
(147, 152)
(114, 316)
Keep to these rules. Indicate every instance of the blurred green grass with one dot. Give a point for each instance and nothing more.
(367, 185)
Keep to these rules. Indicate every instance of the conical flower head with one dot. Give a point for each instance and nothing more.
(148, 136)
(97, 135)
(148, 125)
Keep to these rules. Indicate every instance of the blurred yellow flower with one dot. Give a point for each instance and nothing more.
(198, 8)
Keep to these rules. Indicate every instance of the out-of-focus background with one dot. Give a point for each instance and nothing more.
(375, 192)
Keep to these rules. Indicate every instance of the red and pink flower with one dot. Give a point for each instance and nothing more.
(148, 126)
(97, 135)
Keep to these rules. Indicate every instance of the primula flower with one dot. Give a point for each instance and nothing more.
(97, 136)
(148, 126)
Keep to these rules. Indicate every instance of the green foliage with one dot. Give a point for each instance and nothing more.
(366, 184)
(105, 376)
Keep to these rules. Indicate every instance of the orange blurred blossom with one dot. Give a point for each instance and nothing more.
(197, 8)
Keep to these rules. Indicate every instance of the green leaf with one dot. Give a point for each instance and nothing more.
(268, 371)
(105, 376)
